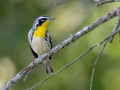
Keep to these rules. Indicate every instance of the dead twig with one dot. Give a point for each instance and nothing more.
(60, 2)
(95, 63)
(105, 2)
(116, 27)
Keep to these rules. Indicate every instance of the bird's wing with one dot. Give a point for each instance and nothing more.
(49, 40)
(34, 54)
(30, 34)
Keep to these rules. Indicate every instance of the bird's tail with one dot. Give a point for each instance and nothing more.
(48, 66)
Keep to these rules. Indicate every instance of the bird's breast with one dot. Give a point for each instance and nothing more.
(39, 45)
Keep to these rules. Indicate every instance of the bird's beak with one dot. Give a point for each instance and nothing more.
(51, 18)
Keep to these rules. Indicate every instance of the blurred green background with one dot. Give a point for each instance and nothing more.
(16, 19)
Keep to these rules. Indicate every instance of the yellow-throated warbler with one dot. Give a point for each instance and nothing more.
(40, 40)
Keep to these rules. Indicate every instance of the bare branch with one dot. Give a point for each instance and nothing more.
(115, 29)
(105, 2)
(98, 1)
(58, 47)
(61, 2)
(92, 77)
(117, 25)
(87, 51)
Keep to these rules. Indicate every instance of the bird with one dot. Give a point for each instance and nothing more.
(40, 40)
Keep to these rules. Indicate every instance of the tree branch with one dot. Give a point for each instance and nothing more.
(60, 2)
(105, 2)
(58, 47)
(116, 27)
(69, 64)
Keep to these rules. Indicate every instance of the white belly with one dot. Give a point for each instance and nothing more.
(39, 45)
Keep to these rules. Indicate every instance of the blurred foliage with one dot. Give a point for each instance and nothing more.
(16, 19)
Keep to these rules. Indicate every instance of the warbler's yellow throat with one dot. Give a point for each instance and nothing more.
(40, 31)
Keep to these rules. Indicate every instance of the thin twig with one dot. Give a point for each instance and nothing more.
(118, 13)
(27, 73)
(28, 69)
(115, 29)
(58, 47)
(89, 49)
(119, 37)
(95, 63)
(98, 1)
(117, 26)
(61, 2)
(105, 2)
